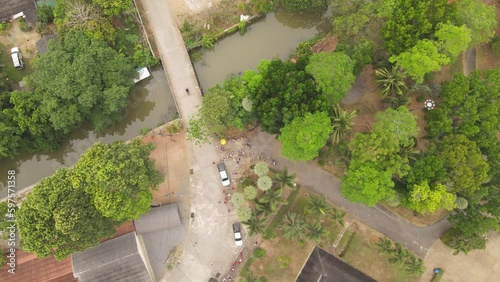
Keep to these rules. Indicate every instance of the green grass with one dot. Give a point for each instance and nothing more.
(8, 68)
(437, 277)
(283, 210)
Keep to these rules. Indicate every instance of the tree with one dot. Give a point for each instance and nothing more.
(454, 239)
(282, 91)
(333, 73)
(316, 232)
(479, 18)
(244, 213)
(285, 179)
(461, 203)
(119, 177)
(113, 8)
(400, 122)
(305, 136)
(237, 199)
(425, 200)
(399, 255)
(367, 184)
(384, 245)
(452, 39)
(420, 60)
(272, 198)
(293, 226)
(255, 224)
(81, 79)
(261, 168)
(304, 5)
(414, 266)
(317, 206)
(59, 218)
(355, 21)
(391, 82)
(250, 193)
(342, 122)
(264, 183)
(337, 216)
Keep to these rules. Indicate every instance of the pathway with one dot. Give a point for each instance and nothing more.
(209, 246)
(417, 239)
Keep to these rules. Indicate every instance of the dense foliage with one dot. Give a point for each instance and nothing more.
(75, 208)
(304, 5)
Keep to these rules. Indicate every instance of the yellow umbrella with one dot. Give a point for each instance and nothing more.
(223, 141)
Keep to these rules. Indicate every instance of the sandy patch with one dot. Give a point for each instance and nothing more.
(26, 41)
(193, 9)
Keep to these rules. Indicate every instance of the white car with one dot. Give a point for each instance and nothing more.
(17, 58)
(223, 174)
(237, 234)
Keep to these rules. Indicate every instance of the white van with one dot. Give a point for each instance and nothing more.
(17, 58)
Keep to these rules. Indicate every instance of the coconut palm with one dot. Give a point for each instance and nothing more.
(315, 232)
(261, 168)
(317, 206)
(237, 199)
(399, 255)
(250, 193)
(337, 215)
(342, 122)
(294, 226)
(285, 179)
(272, 198)
(261, 208)
(414, 266)
(391, 81)
(255, 224)
(264, 183)
(244, 213)
(384, 245)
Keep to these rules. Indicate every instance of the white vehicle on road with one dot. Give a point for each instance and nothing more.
(237, 234)
(223, 174)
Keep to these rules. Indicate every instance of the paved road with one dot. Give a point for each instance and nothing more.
(469, 61)
(417, 239)
(209, 246)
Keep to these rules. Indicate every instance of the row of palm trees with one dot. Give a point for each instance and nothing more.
(400, 256)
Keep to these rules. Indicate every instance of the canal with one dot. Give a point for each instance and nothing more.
(151, 102)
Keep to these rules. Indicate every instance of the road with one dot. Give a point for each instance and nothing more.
(417, 239)
(469, 61)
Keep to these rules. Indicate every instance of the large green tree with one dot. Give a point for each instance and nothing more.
(60, 219)
(333, 73)
(119, 177)
(425, 200)
(400, 122)
(452, 39)
(305, 136)
(479, 18)
(81, 79)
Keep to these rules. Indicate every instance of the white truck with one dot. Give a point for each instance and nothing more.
(223, 174)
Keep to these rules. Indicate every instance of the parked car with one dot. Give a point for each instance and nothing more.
(237, 234)
(223, 174)
(17, 58)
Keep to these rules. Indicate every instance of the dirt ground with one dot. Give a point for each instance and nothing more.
(480, 266)
(170, 159)
(26, 41)
(194, 9)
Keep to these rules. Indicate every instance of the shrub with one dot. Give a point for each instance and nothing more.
(461, 203)
(143, 57)
(244, 213)
(45, 14)
(242, 26)
(261, 168)
(42, 28)
(250, 193)
(495, 46)
(5, 26)
(144, 131)
(237, 199)
(259, 252)
(24, 25)
(264, 183)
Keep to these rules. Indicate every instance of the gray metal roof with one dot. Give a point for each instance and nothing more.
(42, 45)
(115, 260)
(11, 7)
(158, 218)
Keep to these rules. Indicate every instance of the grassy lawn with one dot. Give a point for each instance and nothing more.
(8, 68)
(364, 255)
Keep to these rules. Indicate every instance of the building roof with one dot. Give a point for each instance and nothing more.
(42, 45)
(11, 7)
(158, 218)
(31, 268)
(322, 266)
(117, 259)
(161, 230)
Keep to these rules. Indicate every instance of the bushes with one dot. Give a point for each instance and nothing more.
(45, 14)
(24, 25)
(259, 252)
(495, 46)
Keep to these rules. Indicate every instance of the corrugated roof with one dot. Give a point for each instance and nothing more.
(42, 45)
(158, 218)
(117, 259)
(11, 7)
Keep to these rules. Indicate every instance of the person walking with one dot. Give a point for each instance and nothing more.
(187, 91)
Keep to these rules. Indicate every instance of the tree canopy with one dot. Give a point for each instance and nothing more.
(304, 5)
(305, 136)
(452, 39)
(333, 73)
(479, 18)
(424, 199)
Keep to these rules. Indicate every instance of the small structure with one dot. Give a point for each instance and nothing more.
(118, 259)
(159, 231)
(42, 45)
(322, 267)
(142, 73)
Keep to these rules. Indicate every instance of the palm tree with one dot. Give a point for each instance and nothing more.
(294, 226)
(317, 206)
(285, 179)
(337, 215)
(385, 245)
(255, 224)
(399, 255)
(391, 81)
(342, 123)
(264, 209)
(272, 198)
(414, 266)
(316, 232)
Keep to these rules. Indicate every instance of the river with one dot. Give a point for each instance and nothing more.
(151, 102)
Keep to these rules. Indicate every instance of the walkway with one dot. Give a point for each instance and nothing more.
(209, 246)
(417, 239)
